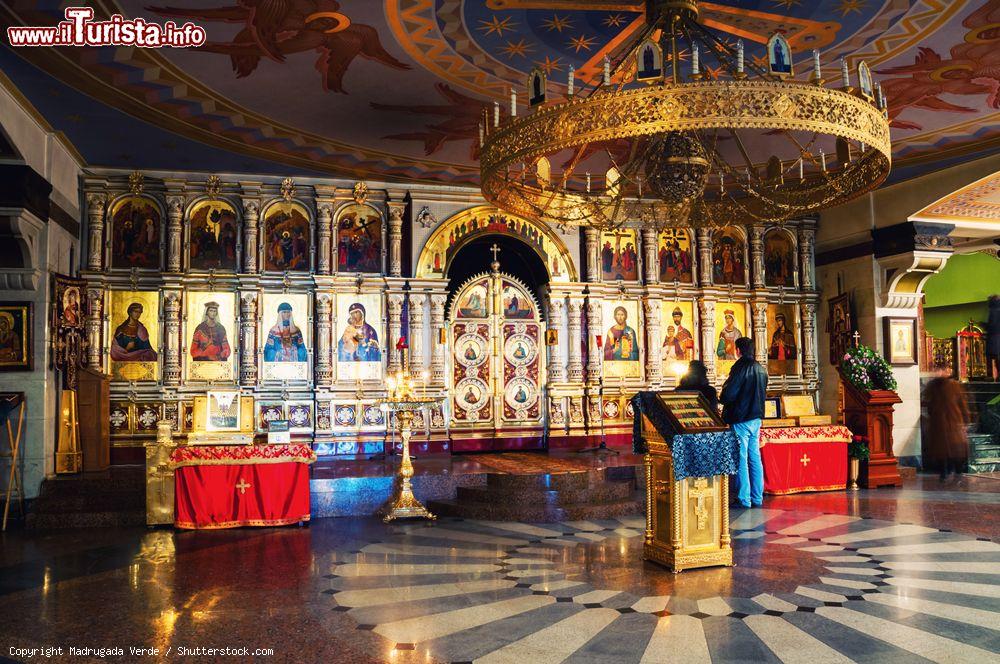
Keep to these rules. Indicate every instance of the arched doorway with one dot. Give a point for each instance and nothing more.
(496, 359)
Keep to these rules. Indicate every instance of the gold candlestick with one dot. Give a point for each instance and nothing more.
(406, 505)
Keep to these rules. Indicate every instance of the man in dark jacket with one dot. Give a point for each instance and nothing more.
(743, 407)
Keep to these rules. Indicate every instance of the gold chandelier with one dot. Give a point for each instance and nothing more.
(725, 141)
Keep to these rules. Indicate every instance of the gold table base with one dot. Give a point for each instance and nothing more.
(405, 505)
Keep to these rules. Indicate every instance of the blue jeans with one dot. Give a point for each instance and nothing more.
(750, 478)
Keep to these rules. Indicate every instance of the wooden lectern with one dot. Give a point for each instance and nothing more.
(869, 414)
(687, 519)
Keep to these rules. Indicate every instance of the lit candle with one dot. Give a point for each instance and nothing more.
(513, 103)
(802, 174)
(480, 134)
(817, 72)
(722, 182)
(571, 82)
(822, 159)
(863, 148)
(739, 56)
(607, 70)
(695, 63)
(845, 73)
(496, 114)
(588, 183)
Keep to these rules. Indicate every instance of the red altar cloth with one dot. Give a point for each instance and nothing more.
(798, 459)
(226, 486)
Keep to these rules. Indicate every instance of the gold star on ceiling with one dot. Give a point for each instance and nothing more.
(496, 26)
(848, 6)
(516, 49)
(614, 20)
(582, 43)
(549, 65)
(787, 4)
(557, 23)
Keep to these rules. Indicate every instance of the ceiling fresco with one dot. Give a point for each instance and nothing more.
(393, 89)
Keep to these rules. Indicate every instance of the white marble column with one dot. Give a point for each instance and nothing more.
(592, 254)
(437, 348)
(396, 210)
(705, 255)
(575, 340)
(417, 362)
(324, 328)
(324, 221)
(95, 315)
(807, 258)
(810, 368)
(706, 314)
(171, 338)
(654, 362)
(651, 264)
(175, 232)
(557, 368)
(757, 255)
(248, 339)
(394, 304)
(594, 327)
(95, 230)
(760, 339)
(251, 210)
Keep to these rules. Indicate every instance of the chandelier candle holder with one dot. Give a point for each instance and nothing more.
(714, 146)
(403, 400)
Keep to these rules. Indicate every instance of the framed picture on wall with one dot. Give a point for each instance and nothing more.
(899, 339)
(15, 336)
(839, 325)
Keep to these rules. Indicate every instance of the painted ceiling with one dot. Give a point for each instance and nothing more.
(392, 89)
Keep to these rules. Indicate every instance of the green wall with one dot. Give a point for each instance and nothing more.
(959, 293)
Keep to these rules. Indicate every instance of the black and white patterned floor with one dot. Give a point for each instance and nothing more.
(809, 587)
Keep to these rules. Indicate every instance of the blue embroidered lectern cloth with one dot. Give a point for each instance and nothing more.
(695, 454)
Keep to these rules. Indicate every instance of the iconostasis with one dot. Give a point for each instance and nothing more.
(297, 295)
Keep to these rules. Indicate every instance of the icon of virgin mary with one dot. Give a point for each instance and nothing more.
(359, 342)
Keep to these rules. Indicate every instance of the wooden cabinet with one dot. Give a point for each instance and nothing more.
(94, 406)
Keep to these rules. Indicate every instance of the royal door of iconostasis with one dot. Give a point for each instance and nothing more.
(497, 366)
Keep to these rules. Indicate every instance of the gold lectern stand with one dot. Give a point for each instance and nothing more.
(687, 520)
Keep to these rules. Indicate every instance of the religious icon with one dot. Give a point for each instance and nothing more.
(728, 264)
(473, 303)
(135, 235)
(779, 259)
(359, 341)
(210, 342)
(286, 237)
(730, 324)
(551, 337)
(15, 336)
(213, 233)
(621, 343)
(783, 334)
(899, 340)
(130, 340)
(865, 79)
(779, 56)
(285, 348)
(516, 303)
(223, 411)
(678, 340)
(68, 299)
(649, 61)
(470, 352)
(675, 256)
(471, 395)
(619, 258)
(359, 239)
(536, 87)
(134, 335)
(840, 326)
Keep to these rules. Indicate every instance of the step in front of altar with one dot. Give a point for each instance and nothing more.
(546, 498)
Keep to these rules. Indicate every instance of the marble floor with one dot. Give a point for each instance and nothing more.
(909, 575)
